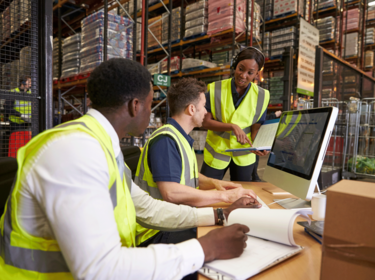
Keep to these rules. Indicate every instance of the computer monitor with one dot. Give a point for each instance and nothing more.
(298, 152)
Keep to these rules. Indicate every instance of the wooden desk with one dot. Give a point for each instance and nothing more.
(305, 265)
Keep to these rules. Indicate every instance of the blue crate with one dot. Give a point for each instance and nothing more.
(194, 36)
(194, 69)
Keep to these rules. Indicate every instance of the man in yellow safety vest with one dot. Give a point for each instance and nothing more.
(73, 208)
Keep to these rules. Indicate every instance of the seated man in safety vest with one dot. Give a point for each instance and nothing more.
(73, 207)
(19, 111)
(168, 168)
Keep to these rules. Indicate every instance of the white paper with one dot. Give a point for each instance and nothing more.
(270, 224)
(258, 255)
(265, 135)
(263, 140)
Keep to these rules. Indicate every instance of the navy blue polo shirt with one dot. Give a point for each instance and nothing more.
(164, 158)
(236, 100)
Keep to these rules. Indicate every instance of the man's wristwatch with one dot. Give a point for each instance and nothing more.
(220, 216)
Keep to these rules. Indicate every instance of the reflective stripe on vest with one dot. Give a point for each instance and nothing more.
(289, 126)
(215, 155)
(246, 130)
(144, 177)
(51, 260)
(153, 191)
(28, 259)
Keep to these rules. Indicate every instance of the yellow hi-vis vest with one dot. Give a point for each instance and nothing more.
(23, 107)
(23, 256)
(248, 113)
(287, 124)
(144, 178)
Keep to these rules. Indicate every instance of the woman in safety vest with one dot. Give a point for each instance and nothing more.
(236, 109)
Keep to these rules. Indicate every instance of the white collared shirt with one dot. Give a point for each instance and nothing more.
(65, 197)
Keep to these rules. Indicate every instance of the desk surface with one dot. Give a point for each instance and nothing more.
(305, 265)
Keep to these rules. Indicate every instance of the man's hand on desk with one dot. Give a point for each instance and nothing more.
(232, 196)
(225, 185)
(243, 202)
(224, 243)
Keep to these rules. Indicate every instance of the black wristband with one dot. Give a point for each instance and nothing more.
(220, 216)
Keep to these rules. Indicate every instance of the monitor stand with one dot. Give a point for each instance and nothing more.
(295, 203)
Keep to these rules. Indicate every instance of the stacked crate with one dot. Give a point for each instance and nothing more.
(25, 62)
(281, 38)
(155, 27)
(14, 16)
(370, 36)
(221, 58)
(196, 19)
(326, 27)
(324, 4)
(269, 8)
(351, 45)
(56, 59)
(14, 74)
(71, 57)
(119, 40)
(176, 26)
(6, 23)
(6, 80)
(256, 21)
(276, 86)
(220, 16)
(369, 59)
(281, 8)
(266, 44)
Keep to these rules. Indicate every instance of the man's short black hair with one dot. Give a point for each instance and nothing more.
(116, 81)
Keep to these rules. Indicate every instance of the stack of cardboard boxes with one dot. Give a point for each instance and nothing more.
(196, 19)
(176, 26)
(155, 27)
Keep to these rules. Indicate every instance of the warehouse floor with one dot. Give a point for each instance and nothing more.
(261, 166)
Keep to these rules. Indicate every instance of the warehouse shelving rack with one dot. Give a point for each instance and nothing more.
(33, 31)
(340, 160)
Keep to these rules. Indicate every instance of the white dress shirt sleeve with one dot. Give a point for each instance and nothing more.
(69, 179)
(162, 215)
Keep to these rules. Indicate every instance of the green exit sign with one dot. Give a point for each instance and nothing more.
(162, 80)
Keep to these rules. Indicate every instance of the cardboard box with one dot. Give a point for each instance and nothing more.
(349, 232)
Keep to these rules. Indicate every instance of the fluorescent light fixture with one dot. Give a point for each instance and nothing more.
(371, 4)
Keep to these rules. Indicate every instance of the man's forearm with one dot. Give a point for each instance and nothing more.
(206, 183)
(181, 194)
(163, 215)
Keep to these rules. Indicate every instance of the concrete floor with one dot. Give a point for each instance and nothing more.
(261, 166)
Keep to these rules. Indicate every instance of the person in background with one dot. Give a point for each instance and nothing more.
(255, 176)
(19, 111)
(168, 168)
(236, 109)
(73, 208)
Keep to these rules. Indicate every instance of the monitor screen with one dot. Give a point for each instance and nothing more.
(298, 141)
